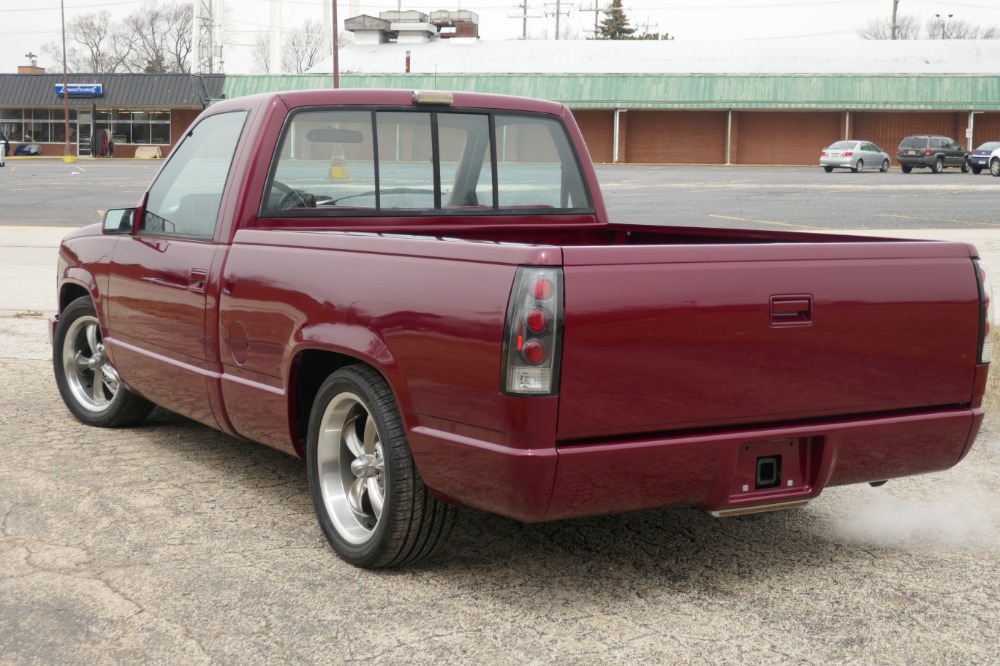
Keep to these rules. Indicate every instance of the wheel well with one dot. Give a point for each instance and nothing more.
(311, 369)
(70, 293)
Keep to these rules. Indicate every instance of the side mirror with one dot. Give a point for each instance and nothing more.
(119, 221)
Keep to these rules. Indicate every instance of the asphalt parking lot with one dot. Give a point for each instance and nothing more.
(173, 543)
(47, 192)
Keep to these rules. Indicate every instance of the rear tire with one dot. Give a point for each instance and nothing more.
(995, 166)
(371, 503)
(88, 383)
(938, 165)
(906, 169)
(859, 167)
(965, 167)
(828, 169)
(885, 166)
(977, 170)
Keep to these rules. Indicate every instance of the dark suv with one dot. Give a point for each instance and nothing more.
(927, 150)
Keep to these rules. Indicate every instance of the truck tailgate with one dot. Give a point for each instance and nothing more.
(662, 338)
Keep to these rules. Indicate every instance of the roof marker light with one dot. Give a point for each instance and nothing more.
(433, 97)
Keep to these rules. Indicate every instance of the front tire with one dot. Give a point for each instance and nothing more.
(371, 503)
(88, 383)
(885, 166)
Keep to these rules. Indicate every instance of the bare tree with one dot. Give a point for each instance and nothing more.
(907, 27)
(952, 28)
(160, 38)
(260, 53)
(93, 45)
(304, 47)
(156, 38)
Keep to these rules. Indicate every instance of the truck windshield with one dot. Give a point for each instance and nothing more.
(439, 162)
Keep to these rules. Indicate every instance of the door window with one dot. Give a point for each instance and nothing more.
(185, 198)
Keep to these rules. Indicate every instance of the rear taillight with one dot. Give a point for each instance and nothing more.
(928, 153)
(848, 153)
(822, 153)
(533, 337)
(985, 312)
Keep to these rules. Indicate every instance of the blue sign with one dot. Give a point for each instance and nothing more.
(82, 89)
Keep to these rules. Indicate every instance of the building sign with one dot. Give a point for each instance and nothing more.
(82, 89)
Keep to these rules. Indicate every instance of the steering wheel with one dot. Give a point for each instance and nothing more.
(288, 197)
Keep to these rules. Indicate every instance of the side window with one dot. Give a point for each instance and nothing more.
(536, 166)
(185, 198)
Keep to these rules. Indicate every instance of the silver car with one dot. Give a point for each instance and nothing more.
(854, 155)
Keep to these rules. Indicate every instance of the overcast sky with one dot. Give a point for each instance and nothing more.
(714, 21)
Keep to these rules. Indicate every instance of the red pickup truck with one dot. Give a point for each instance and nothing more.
(420, 293)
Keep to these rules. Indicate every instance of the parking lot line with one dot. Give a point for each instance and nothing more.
(780, 224)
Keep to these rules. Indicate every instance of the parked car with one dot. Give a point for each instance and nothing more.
(986, 156)
(3, 150)
(923, 151)
(854, 155)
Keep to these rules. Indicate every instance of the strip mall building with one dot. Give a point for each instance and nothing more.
(754, 102)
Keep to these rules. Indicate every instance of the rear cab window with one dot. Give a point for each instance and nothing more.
(376, 162)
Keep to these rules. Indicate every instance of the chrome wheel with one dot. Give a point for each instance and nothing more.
(89, 375)
(370, 499)
(995, 166)
(859, 167)
(885, 166)
(88, 383)
(351, 465)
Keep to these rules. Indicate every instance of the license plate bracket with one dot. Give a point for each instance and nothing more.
(773, 467)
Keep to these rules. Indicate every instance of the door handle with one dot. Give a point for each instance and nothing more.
(791, 310)
(199, 277)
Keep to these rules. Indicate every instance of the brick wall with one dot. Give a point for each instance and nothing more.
(986, 127)
(887, 129)
(785, 137)
(598, 128)
(679, 137)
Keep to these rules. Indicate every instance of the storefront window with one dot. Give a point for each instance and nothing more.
(49, 126)
(35, 125)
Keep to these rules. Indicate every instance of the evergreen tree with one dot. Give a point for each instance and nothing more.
(615, 25)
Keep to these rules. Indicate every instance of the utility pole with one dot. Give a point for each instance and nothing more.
(895, 6)
(524, 19)
(558, 13)
(336, 48)
(206, 37)
(645, 27)
(597, 11)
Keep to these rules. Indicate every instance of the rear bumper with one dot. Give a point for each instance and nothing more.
(711, 471)
(917, 162)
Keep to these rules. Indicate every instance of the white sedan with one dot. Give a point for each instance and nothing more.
(854, 155)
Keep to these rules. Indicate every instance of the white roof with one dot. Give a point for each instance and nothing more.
(792, 56)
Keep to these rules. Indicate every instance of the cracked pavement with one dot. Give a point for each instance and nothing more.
(173, 543)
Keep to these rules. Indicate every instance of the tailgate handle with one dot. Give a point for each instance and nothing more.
(791, 310)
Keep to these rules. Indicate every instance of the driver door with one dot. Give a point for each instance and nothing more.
(163, 340)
